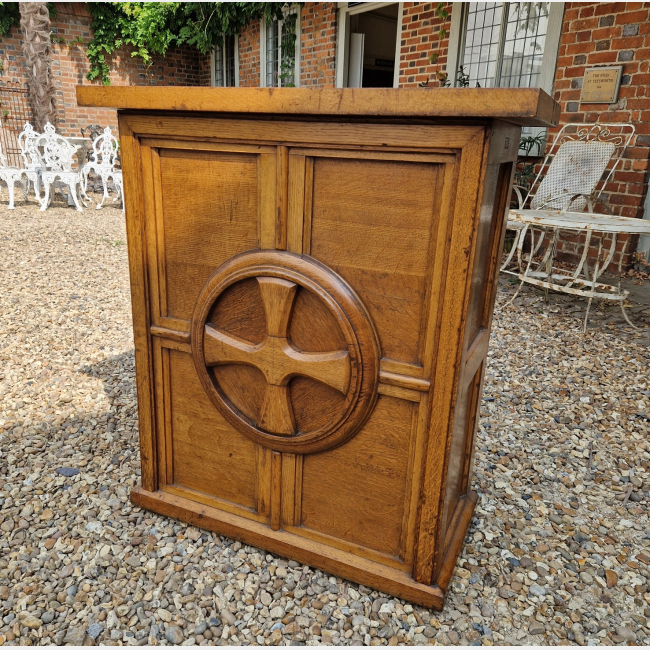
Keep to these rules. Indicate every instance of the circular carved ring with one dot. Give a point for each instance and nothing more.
(346, 379)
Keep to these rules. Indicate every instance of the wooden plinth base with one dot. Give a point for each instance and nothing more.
(346, 565)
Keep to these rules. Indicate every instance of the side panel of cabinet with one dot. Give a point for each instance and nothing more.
(458, 501)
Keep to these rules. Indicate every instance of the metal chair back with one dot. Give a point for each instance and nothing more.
(28, 149)
(56, 152)
(105, 149)
(579, 164)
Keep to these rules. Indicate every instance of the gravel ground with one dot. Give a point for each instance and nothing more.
(558, 551)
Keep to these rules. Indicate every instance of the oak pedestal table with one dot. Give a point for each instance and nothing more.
(313, 275)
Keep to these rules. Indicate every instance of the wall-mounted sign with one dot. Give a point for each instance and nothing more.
(600, 85)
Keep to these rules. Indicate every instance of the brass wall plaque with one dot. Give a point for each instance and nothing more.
(600, 85)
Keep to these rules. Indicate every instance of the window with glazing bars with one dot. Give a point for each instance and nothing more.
(281, 50)
(504, 43)
(225, 62)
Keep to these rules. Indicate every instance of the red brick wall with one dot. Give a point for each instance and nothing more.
(182, 66)
(419, 40)
(249, 55)
(318, 22)
(614, 33)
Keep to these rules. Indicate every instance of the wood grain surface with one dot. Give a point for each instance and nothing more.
(525, 106)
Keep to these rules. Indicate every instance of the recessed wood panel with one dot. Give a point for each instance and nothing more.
(359, 488)
(460, 452)
(487, 247)
(208, 454)
(211, 208)
(371, 222)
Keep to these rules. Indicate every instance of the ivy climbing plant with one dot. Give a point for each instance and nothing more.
(151, 28)
(9, 16)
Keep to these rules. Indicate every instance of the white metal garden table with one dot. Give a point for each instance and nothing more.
(539, 230)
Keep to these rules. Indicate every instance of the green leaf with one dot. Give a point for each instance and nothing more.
(9, 16)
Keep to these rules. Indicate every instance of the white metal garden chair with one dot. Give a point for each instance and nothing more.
(9, 175)
(58, 156)
(32, 164)
(102, 162)
(572, 178)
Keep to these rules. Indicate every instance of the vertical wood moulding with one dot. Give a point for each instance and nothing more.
(297, 500)
(291, 489)
(445, 377)
(159, 397)
(158, 227)
(276, 489)
(439, 270)
(263, 477)
(268, 199)
(135, 233)
(437, 210)
(288, 488)
(295, 218)
(406, 554)
(151, 238)
(283, 199)
(309, 195)
(167, 410)
(473, 405)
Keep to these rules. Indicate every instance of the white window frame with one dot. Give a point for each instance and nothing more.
(343, 34)
(213, 79)
(551, 47)
(263, 26)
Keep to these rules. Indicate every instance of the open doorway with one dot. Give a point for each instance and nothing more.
(370, 45)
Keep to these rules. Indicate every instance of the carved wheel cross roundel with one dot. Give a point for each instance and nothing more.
(286, 351)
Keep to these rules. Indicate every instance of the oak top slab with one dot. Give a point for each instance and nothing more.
(525, 106)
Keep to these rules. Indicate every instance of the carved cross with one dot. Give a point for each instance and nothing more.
(277, 358)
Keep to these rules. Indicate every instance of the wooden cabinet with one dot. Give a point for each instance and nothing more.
(313, 275)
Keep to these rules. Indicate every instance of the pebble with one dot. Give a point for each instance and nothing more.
(75, 636)
(67, 471)
(487, 610)
(94, 630)
(537, 590)
(174, 635)
(32, 622)
(94, 568)
(625, 633)
(611, 578)
(536, 627)
(586, 578)
(228, 617)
